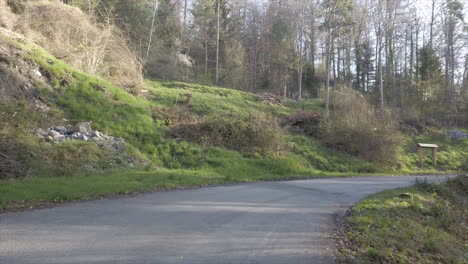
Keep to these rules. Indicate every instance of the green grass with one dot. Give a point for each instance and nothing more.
(54, 170)
(209, 100)
(452, 154)
(216, 166)
(34, 191)
(424, 224)
(313, 105)
(120, 113)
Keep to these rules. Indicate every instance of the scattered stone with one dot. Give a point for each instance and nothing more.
(456, 134)
(61, 129)
(38, 73)
(40, 132)
(83, 127)
(83, 132)
(54, 134)
(96, 134)
(76, 135)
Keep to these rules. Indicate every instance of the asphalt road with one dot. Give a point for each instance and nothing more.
(267, 222)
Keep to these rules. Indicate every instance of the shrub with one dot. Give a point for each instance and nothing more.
(358, 128)
(260, 133)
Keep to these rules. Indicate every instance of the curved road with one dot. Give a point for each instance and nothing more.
(266, 222)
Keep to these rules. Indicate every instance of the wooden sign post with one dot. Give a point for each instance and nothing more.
(434, 148)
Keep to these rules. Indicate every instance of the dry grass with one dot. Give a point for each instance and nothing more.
(69, 34)
(356, 127)
(7, 18)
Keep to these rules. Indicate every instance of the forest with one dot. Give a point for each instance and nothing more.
(410, 56)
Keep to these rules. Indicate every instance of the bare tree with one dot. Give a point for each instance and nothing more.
(151, 31)
(301, 48)
(217, 41)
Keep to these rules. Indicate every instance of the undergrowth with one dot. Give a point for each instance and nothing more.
(427, 224)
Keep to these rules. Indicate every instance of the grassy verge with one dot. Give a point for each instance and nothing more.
(37, 191)
(427, 223)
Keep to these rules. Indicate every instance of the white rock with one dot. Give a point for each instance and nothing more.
(61, 129)
(83, 127)
(38, 73)
(54, 134)
(97, 134)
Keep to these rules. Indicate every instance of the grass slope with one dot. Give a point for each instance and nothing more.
(54, 170)
(451, 156)
(427, 224)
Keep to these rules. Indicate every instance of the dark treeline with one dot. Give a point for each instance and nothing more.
(408, 55)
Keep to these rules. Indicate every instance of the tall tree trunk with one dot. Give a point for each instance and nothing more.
(300, 70)
(431, 24)
(185, 15)
(348, 63)
(217, 43)
(151, 31)
(465, 79)
(358, 64)
(327, 62)
(206, 56)
(411, 63)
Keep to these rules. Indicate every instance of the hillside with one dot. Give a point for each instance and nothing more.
(40, 91)
(173, 134)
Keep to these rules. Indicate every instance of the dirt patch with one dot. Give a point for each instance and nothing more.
(19, 78)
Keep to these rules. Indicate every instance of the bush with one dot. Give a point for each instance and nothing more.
(261, 134)
(358, 128)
